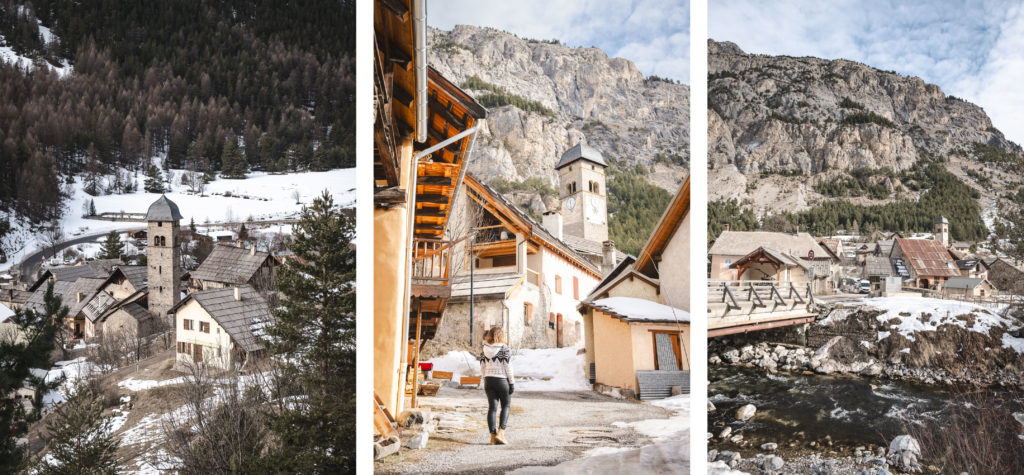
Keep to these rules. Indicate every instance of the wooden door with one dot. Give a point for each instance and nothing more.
(197, 353)
(667, 351)
(558, 331)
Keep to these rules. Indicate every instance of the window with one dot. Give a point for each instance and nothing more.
(726, 263)
(160, 223)
(188, 324)
(204, 327)
(558, 284)
(160, 270)
(576, 287)
(551, 321)
(527, 312)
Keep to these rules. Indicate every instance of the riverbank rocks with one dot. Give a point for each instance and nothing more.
(1019, 416)
(769, 446)
(745, 412)
(418, 441)
(711, 406)
(724, 434)
(771, 463)
(904, 452)
(729, 457)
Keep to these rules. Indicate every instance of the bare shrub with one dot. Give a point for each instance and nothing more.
(979, 436)
(220, 428)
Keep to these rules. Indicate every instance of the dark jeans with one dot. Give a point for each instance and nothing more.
(497, 391)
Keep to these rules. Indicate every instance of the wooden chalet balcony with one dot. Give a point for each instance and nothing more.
(431, 269)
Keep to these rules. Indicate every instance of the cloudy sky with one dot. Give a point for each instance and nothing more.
(654, 34)
(972, 49)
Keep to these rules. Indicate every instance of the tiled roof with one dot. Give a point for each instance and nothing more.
(230, 265)
(243, 319)
(928, 258)
(878, 266)
(741, 243)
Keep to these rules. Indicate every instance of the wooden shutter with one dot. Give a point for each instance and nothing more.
(576, 287)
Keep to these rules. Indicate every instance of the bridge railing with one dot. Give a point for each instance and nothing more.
(759, 293)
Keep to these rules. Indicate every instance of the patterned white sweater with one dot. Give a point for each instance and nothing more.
(496, 362)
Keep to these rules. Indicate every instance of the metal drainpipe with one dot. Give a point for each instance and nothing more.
(419, 31)
(410, 263)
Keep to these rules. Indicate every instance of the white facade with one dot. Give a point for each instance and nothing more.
(202, 334)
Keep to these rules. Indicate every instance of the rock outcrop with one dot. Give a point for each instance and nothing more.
(770, 117)
(584, 94)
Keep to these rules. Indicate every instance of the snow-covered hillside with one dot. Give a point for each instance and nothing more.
(260, 197)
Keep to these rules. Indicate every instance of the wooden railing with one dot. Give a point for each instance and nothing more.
(431, 261)
(760, 293)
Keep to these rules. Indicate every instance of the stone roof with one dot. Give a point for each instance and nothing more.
(941, 220)
(163, 209)
(136, 275)
(15, 296)
(137, 311)
(244, 319)
(879, 266)
(962, 283)
(581, 151)
(741, 243)
(230, 265)
(928, 258)
(68, 292)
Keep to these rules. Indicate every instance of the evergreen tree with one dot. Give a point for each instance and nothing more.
(154, 180)
(233, 163)
(80, 437)
(92, 207)
(314, 338)
(113, 248)
(192, 224)
(17, 356)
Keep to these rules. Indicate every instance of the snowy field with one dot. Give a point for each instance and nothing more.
(547, 369)
(261, 197)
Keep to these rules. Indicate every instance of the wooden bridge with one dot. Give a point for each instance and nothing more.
(740, 306)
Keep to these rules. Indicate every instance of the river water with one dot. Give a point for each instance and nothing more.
(852, 410)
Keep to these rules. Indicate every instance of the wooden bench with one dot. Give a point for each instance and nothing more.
(469, 381)
(442, 375)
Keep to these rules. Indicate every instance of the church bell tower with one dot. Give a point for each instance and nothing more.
(583, 194)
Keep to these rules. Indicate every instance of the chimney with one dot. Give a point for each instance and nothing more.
(725, 227)
(80, 296)
(252, 250)
(553, 223)
(608, 257)
(238, 294)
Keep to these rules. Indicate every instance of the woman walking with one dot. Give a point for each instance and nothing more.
(496, 367)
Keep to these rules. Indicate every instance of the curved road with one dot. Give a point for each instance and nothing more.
(29, 266)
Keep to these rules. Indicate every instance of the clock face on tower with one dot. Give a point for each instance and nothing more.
(595, 210)
(570, 203)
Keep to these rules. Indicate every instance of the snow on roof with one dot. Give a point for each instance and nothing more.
(5, 313)
(639, 310)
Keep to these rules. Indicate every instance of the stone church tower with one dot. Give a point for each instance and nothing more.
(583, 195)
(163, 256)
(942, 231)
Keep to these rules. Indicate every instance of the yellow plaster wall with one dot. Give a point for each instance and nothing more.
(643, 344)
(635, 287)
(675, 268)
(613, 357)
(391, 264)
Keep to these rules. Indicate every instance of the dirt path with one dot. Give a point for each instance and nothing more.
(544, 429)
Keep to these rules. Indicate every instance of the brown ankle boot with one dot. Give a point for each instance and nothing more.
(494, 439)
(500, 437)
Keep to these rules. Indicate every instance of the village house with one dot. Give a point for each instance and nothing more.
(524, 278)
(968, 287)
(973, 268)
(637, 320)
(220, 327)
(924, 262)
(14, 298)
(798, 253)
(1007, 276)
(876, 269)
(229, 265)
(424, 128)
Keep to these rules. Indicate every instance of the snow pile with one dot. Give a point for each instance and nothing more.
(675, 427)
(678, 404)
(136, 385)
(71, 371)
(911, 311)
(641, 309)
(5, 313)
(1013, 343)
(546, 369)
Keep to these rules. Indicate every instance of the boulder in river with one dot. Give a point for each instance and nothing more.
(904, 452)
(725, 433)
(769, 446)
(711, 406)
(745, 412)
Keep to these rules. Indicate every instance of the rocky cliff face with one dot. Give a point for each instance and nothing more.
(772, 116)
(583, 94)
